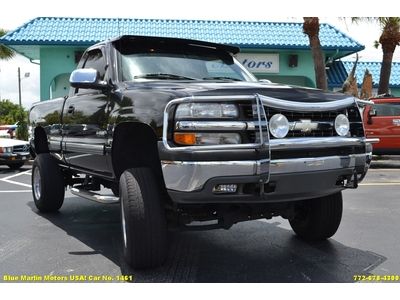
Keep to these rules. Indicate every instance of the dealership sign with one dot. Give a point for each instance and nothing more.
(260, 63)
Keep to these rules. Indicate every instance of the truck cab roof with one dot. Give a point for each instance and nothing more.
(169, 41)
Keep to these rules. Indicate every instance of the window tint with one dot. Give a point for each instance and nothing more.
(95, 60)
(387, 109)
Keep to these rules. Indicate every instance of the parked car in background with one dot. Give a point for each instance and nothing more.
(383, 121)
(14, 153)
(8, 131)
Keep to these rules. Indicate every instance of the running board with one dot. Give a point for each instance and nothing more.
(94, 197)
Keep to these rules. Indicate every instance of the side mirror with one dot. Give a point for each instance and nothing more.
(87, 79)
(371, 113)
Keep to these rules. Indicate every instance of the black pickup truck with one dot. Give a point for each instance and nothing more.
(186, 138)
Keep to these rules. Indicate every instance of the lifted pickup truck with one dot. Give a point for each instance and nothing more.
(186, 138)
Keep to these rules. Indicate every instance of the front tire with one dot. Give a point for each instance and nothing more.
(144, 225)
(318, 219)
(47, 183)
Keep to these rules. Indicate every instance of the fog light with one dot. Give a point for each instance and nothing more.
(225, 188)
(342, 125)
(279, 126)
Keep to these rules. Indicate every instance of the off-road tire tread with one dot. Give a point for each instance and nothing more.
(52, 183)
(323, 220)
(145, 219)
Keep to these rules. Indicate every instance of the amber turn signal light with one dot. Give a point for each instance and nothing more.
(185, 138)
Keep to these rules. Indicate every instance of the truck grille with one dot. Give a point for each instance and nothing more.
(324, 119)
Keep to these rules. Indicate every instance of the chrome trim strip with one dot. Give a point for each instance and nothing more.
(372, 140)
(314, 143)
(55, 145)
(84, 148)
(365, 102)
(304, 106)
(296, 165)
(295, 125)
(210, 125)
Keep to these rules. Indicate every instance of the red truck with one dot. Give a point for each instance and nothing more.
(382, 120)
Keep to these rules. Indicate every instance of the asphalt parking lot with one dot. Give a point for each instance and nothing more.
(84, 239)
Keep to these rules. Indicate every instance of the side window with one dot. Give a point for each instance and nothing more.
(95, 60)
(387, 109)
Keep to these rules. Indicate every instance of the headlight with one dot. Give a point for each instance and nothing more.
(201, 138)
(279, 126)
(206, 110)
(342, 125)
(6, 149)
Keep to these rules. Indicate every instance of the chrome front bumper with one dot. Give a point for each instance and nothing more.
(295, 179)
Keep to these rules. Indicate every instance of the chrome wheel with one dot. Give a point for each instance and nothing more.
(36, 183)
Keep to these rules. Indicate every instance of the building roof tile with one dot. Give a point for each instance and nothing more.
(87, 31)
(339, 71)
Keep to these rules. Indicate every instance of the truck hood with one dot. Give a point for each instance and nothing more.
(178, 89)
(11, 142)
(145, 101)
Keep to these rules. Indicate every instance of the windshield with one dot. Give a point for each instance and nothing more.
(181, 64)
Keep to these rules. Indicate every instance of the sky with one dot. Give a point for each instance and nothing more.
(332, 12)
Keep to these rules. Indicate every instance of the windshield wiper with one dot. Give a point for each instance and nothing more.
(220, 78)
(162, 76)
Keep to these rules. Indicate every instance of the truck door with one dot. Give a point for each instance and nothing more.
(383, 122)
(85, 119)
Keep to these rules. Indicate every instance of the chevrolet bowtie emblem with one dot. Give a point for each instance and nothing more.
(305, 126)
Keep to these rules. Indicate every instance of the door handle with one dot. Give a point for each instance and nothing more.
(71, 109)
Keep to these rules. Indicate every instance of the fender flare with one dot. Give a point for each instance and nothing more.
(135, 145)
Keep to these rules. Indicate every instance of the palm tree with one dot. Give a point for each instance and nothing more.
(311, 28)
(5, 52)
(389, 39)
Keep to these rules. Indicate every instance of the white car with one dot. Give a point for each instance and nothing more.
(14, 153)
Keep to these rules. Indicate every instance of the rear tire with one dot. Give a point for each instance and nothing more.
(144, 225)
(47, 183)
(318, 219)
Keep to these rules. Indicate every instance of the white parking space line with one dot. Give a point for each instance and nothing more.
(18, 174)
(382, 170)
(379, 183)
(17, 191)
(15, 182)
(7, 179)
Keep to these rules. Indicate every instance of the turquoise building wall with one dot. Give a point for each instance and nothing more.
(56, 64)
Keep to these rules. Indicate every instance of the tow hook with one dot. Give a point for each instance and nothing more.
(352, 181)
